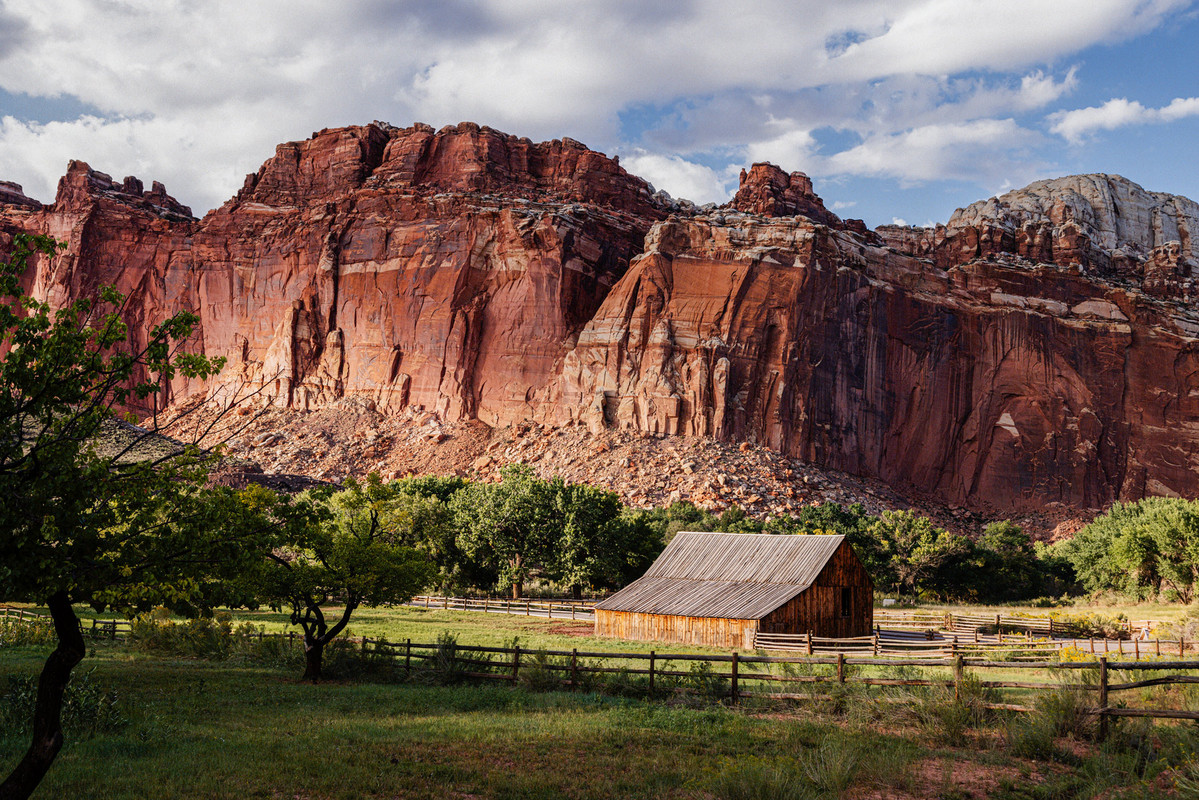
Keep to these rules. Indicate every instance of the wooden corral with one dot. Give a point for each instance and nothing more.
(720, 589)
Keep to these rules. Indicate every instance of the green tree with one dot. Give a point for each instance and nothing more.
(510, 524)
(917, 554)
(79, 524)
(427, 499)
(1008, 568)
(1139, 548)
(349, 548)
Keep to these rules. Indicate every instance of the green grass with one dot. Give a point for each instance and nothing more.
(209, 730)
(200, 729)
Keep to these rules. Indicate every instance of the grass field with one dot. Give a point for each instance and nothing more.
(198, 729)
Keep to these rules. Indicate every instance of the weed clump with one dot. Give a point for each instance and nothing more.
(88, 708)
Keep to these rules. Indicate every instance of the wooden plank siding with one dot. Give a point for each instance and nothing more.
(818, 609)
(734, 634)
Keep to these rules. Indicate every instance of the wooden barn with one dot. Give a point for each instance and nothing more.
(721, 588)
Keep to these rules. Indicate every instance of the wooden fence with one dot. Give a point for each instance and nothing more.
(1018, 647)
(925, 620)
(750, 676)
(111, 629)
(550, 609)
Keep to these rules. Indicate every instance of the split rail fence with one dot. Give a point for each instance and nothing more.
(751, 675)
(112, 629)
(758, 675)
(551, 609)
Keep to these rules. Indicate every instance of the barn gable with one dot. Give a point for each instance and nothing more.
(748, 577)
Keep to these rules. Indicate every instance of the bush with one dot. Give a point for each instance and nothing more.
(87, 708)
(214, 639)
(22, 632)
(706, 682)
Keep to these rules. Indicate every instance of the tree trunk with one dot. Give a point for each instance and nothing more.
(518, 590)
(313, 653)
(576, 591)
(47, 713)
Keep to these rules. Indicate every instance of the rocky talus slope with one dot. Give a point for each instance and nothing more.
(1038, 351)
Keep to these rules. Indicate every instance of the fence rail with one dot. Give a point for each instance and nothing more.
(751, 676)
(748, 672)
(550, 609)
(112, 629)
(1020, 647)
(1044, 626)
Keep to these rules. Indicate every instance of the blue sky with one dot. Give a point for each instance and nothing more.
(898, 109)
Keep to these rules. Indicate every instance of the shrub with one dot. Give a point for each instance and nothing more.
(22, 632)
(705, 681)
(87, 708)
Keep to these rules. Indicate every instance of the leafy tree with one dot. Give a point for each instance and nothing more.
(350, 547)
(1139, 548)
(427, 499)
(597, 544)
(115, 528)
(918, 554)
(510, 524)
(1009, 568)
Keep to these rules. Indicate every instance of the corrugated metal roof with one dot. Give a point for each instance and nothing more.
(726, 575)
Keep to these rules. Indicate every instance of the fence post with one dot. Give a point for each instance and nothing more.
(651, 673)
(1136, 649)
(840, 668)
(426, 601)
(572, 611)
(515, 661)
(957, 677)
(1092, 645)
(574, 668)
(526, 608)
(809, 643)
(1103, 697)
(445, 602)
(733, 682)
(1181, 645)
(874, 643)
(1157, 647)
(486, 603)
(408, 657)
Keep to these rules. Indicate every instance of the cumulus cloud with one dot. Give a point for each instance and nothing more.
(951, 36)
(681, 178)
(990, 149)
(1074, 126)
(196, 94)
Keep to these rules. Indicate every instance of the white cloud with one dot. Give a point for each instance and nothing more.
(197, 94)
(792, 150)
(680, 178)
(1074, 126)
(989, 149)
(947, 36)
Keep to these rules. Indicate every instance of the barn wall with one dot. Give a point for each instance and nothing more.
(818, 608)
(728, 633)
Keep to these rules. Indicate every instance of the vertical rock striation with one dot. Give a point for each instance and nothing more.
(1040, 347)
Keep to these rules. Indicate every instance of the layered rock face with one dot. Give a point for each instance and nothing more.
(1040, 347)
(980, 377)
(448, 270)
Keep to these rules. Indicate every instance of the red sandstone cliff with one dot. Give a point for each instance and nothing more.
(1040, 347)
